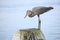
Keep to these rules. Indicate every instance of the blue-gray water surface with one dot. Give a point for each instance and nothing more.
(12, 14)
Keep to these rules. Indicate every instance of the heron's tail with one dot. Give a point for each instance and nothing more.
(51, 7)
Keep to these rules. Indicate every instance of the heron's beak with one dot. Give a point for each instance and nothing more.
(25, 16)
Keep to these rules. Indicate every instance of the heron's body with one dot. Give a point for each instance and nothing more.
(38, 11)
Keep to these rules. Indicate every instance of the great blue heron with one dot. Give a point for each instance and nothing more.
(37, 11)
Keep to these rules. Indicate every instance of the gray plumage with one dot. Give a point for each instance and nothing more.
(37, 11)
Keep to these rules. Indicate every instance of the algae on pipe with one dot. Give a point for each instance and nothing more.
(34, 34)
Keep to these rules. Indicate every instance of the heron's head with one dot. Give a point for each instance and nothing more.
(28, 13)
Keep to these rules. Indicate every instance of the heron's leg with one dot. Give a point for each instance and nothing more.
(39, 22)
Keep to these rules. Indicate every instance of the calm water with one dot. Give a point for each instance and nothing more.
(13, 11)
